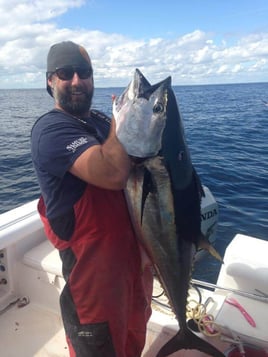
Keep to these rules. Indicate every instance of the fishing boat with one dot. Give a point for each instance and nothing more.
(232, 314)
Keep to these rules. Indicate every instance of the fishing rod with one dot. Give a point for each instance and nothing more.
(263, 297)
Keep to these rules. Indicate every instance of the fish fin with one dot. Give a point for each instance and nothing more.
(147, 187)
(186, 339)
(205, 244)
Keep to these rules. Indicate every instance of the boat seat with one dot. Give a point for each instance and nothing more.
(245, 265)
(44, 257)
(245, 268)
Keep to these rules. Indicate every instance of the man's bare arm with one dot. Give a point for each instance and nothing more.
(106, 165)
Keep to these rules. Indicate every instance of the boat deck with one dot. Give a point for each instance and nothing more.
(33, 330)
(39, 333)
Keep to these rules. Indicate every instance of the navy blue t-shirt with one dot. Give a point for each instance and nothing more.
(57, 140)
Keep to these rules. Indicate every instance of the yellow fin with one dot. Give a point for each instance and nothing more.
(205, 244)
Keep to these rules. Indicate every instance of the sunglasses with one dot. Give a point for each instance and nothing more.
(67, 73)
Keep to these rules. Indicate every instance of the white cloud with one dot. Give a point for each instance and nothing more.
(29, 28)
(236, 68)
(33, 11)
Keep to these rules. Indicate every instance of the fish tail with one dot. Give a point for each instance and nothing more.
(186, 339)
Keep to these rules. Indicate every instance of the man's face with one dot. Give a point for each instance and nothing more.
(73, 95)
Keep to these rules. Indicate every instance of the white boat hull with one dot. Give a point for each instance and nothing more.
(30, 275)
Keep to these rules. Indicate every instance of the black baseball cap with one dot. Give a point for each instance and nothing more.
(66, 53)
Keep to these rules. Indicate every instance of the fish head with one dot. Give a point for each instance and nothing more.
(140, 115)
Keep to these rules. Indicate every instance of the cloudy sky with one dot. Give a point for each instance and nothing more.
(194, 41)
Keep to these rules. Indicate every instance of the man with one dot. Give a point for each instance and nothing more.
(82, 170)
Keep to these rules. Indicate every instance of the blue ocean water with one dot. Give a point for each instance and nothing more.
(226, 127)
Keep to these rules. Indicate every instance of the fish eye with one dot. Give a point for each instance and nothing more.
(158, 108)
